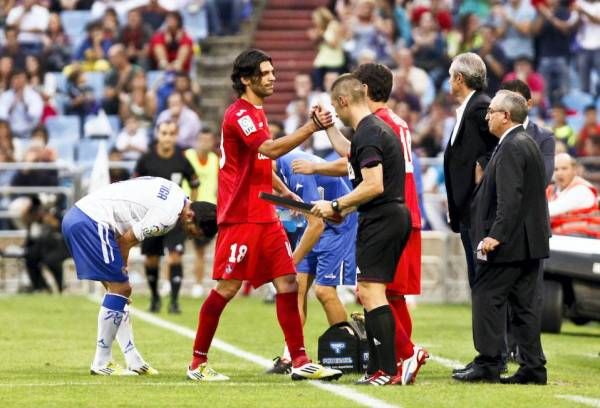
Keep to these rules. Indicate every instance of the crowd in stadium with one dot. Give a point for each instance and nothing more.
(73, 70)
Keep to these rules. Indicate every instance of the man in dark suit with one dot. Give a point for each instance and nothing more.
(509, 217)
(469, 147)
(543, 137)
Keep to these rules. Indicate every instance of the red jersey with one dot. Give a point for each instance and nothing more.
(400, 128)
(244, 171)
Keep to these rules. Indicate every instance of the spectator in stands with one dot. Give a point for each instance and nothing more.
(523, 70)
(44, 245)
(135, 37)
(35, 72)
(132, 141)
(320, 141)
(296, 114)
(429, 48)
(514, 20)
(188, 122)
(402, 21)
(591, 128)
(81, 100)
(553, 27)
(93, 51)
(591, 166)
(12, 49)
(7, 147)
(60, 5)
(153, 14)
(404, 96)
(588, 39)
(327, 34)
(171, 48)
(179, 82)
(140, 103)
(421, 83)
(110, 25)
(119, 79)
(31, 19)
(232, 13)
(57, 47)
(429, 131)
(6, 67)
(21, 105)
(438, 9)
(466, 36)
(37, 152)
(367, 31)
(570, 196)
(495, 60)
(562, 130)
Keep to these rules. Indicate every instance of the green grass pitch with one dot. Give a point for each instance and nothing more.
(47, 343)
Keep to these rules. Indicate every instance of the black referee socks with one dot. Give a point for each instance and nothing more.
(152, 276)
(380, 324)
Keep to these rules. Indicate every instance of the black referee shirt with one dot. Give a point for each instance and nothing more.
(374, 142)
(176, 168)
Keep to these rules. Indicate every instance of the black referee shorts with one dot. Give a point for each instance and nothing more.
(173, 240)
(382, 235)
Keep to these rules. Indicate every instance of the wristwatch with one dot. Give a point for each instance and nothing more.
(335, 205)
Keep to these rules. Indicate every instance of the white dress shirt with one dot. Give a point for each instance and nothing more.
(459, 114)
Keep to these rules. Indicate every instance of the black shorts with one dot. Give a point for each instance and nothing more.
(173, 240)
(382, 235)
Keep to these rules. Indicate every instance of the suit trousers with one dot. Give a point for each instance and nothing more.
(465, 237)
(496, 286)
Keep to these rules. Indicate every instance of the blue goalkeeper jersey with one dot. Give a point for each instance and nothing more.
(313, 187)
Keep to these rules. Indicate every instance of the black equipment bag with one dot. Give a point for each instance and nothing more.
(344, 347)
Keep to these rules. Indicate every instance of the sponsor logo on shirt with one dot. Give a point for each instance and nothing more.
(240, 112)
(247, 125)
(262, 157)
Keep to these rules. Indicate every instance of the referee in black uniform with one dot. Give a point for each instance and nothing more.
(166, 160)
(376, 168)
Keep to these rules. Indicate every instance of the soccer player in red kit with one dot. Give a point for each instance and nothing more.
(378, 81)
(251, 244)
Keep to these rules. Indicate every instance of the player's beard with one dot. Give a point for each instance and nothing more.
(259, 89)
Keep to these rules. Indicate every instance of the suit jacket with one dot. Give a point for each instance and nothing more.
(473, 143)
(546, 142)
(509, 204)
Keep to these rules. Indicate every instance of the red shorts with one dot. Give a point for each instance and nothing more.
(257, 253)
(407, 280)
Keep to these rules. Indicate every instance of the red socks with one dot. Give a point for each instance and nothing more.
(404, 346)
(289, 320)
(208, 320)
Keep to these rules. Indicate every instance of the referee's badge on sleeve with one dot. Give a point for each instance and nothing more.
(350, 171)
(247, 125)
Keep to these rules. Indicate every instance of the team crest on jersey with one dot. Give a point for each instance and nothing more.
(247, 125)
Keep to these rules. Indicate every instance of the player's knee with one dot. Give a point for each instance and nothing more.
(123, 289)
(286, 284)
(152, 261)
(228, 288)
(325, 293)
(174, 258)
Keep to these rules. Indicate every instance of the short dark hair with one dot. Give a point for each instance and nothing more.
(518, 86)
(177, 16)
(590, 107)
(205, 217)
(378, 78)
(247, 65)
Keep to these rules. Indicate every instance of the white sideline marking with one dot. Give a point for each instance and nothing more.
(339, 390)
(591, 402)
(446, 362)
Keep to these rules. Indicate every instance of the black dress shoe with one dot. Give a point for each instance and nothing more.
(521, 377)
(477, 373)
(462, 369)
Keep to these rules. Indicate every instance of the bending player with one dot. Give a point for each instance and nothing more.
(325, 252)
(99, 231)
(252, 244)
(378, 81)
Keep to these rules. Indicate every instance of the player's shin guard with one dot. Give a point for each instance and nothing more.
(289, 320)
(403, 344)
(208, 320)
(152, 276)
(109, 319)
(176, 278)
(126, 342)
(380, 322)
